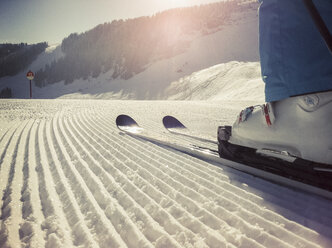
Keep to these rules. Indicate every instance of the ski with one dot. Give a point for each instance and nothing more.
(277, 162)
(273, 166)
(190, 146)
(173, 125)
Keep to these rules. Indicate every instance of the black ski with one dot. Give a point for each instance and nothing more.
(174, 126)
(128, 124)
(283, 169)
(282, 164)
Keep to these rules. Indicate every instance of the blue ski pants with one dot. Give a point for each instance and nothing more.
(294, 57)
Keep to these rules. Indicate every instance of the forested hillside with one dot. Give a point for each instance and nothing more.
(16, 57)
(127, 47)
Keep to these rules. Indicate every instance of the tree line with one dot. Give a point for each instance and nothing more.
(16, 57)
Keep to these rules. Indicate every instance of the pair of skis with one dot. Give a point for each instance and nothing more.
(190, 144)
(271, 165)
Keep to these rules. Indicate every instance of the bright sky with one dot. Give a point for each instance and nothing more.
(33, 21)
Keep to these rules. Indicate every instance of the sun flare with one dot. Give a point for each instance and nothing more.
(179, 3)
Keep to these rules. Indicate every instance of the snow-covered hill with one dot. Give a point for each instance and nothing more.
(236, 41)
(70, 178)
(228, 81)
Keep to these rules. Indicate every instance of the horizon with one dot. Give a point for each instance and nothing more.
(19, 22)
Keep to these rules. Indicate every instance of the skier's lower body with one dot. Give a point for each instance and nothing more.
(297, 70)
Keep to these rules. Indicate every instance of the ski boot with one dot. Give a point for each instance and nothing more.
(291, 137)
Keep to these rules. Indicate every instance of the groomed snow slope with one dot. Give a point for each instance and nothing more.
(70, 178)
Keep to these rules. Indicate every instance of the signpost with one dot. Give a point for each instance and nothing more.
(30, 76)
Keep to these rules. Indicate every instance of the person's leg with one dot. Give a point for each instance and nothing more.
(294, 57)
(297, 70)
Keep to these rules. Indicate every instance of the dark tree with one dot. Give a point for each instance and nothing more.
(6, 93)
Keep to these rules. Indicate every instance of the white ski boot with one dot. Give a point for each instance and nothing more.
(299, 127)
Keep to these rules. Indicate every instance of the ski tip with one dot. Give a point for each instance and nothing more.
(171, 122)
(127, 124)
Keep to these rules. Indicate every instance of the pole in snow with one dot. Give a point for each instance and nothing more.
(30, 76)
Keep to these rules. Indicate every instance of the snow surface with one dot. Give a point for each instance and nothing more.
(70, 178)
